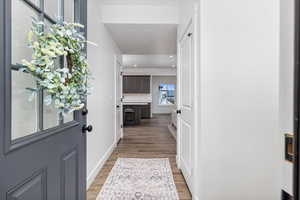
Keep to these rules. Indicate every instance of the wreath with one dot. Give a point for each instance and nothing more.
(65, 86)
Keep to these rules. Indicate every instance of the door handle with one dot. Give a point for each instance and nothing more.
(118, 106)
(86, 128)
(178, 112)
(84, 111)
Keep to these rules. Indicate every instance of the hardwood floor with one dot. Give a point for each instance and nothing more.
(151, 139)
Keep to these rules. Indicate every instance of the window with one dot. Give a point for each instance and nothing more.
(31, 116)
(166, 94)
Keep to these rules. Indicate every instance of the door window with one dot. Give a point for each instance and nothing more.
(29, 113)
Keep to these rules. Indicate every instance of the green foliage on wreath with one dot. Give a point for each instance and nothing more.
(65, 86)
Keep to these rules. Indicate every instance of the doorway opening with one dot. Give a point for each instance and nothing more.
(155, 98)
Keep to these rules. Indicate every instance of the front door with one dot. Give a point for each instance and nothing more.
(186, 105)
(42, 153)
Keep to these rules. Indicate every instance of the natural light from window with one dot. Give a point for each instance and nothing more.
(166, 94)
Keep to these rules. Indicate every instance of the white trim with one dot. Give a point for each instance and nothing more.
(116, 100)
(178, 100)
(194, 22)
(121, 100)
(167, 105)
(148, 74)
(197, 82)
(91, 177)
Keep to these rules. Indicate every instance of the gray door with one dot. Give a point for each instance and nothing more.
(42, 154)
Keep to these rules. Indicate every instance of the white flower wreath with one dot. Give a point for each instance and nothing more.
(65, 86)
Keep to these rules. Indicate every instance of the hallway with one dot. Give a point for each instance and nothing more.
(151, 139)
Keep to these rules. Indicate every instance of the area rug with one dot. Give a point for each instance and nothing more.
(139, 179)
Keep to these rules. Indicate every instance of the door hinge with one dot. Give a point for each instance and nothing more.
(121, 73)
(121, 125)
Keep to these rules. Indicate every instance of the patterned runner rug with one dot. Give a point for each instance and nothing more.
(139, 179)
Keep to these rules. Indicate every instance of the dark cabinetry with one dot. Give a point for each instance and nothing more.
(136, 84)
(132, 114)
(145, 112)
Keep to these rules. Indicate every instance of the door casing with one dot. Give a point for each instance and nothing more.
(296, 163)
(194, 23)
(118, 100)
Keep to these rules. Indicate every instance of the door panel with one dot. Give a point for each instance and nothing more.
(186, 160)
(24, 112)
(37, 161)
(69, 175)
(185, 104)
(118, 102)
(32, 188)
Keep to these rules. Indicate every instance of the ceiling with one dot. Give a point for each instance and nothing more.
(140, 39)
(142, 61)
(140, 2)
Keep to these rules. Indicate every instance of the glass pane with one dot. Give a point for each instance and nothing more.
(24, 105)
(69, 117)
(69, 11)
(52, 8)
(50, 115)
(21, 25)
(36, 2)
(47, 26)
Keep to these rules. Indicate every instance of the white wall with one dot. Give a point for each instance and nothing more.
(240, 147)
(101, 102)
(156, 81)
(286, 82)
(140, 14)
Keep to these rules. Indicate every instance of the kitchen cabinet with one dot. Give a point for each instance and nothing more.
(136, 84)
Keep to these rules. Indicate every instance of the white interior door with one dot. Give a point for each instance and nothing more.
(118, 102)
(186, 105)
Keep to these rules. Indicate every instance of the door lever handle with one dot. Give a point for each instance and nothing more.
(86, 128)
(84, 111)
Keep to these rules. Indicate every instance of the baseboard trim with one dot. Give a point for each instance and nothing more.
(285, 195)
(172, 131)
(91, 177)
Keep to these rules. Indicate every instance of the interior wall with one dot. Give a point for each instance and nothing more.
(156, 81)
(101, 102)
(286, 82)
(240, 146)
(166, 71)
(138, 13)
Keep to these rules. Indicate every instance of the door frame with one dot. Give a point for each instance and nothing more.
(193, 22)
(118, 74)
(296, 177)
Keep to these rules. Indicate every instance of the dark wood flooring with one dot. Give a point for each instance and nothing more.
(151, 139)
